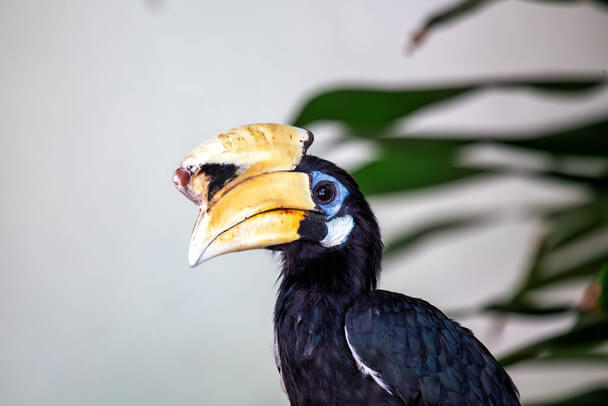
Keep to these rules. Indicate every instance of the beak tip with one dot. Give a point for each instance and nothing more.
(194, 261)
(195, 257)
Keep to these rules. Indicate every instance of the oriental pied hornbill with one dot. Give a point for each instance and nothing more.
(338, 340)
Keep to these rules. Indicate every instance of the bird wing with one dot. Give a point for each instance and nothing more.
(416, 353)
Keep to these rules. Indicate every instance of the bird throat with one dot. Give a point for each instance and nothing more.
(338, 272)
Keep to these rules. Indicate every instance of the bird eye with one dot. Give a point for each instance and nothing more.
(324, 192)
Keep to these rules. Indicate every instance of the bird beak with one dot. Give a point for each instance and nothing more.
(247, 191)
(259, 212)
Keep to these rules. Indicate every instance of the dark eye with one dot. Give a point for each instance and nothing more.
(324, 192)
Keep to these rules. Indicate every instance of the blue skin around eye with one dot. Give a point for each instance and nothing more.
(332, 207)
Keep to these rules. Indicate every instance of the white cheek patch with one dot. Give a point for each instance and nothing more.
(338, 231)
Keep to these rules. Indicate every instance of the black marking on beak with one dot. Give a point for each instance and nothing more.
(219, 175)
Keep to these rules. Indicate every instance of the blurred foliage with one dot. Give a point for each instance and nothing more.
(602, 283)
(405, 162)
(595, 299)
(590, 397)
(463, 8)
(369, 111)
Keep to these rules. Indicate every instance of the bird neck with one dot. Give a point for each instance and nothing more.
(346, 272)
(334, 281)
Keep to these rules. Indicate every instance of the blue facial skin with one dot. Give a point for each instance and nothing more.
(330, 208)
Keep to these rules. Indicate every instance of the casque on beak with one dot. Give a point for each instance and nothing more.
(248, 194)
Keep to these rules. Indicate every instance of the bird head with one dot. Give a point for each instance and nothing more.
(255, 187)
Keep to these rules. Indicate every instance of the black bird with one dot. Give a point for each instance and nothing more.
(338, 340)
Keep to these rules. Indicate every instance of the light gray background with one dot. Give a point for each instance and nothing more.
(99, 101)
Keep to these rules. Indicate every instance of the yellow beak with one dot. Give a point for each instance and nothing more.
(259, 212)
(261, 204)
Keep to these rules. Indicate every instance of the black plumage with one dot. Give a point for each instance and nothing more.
(340, 341)
(422, 356)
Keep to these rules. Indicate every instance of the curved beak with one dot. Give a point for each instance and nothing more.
(247, 190)
(259, 212)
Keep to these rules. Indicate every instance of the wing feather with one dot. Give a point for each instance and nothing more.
(416, 353)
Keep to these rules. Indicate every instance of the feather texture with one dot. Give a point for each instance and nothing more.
(422, 356)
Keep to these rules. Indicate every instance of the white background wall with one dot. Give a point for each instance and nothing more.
(99, 101)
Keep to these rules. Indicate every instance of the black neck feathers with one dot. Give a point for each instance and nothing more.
(349, 270)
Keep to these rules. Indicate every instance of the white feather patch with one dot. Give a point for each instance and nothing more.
(365, 370)
(338, 231)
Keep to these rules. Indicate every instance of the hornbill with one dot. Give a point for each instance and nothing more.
(338, 339)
